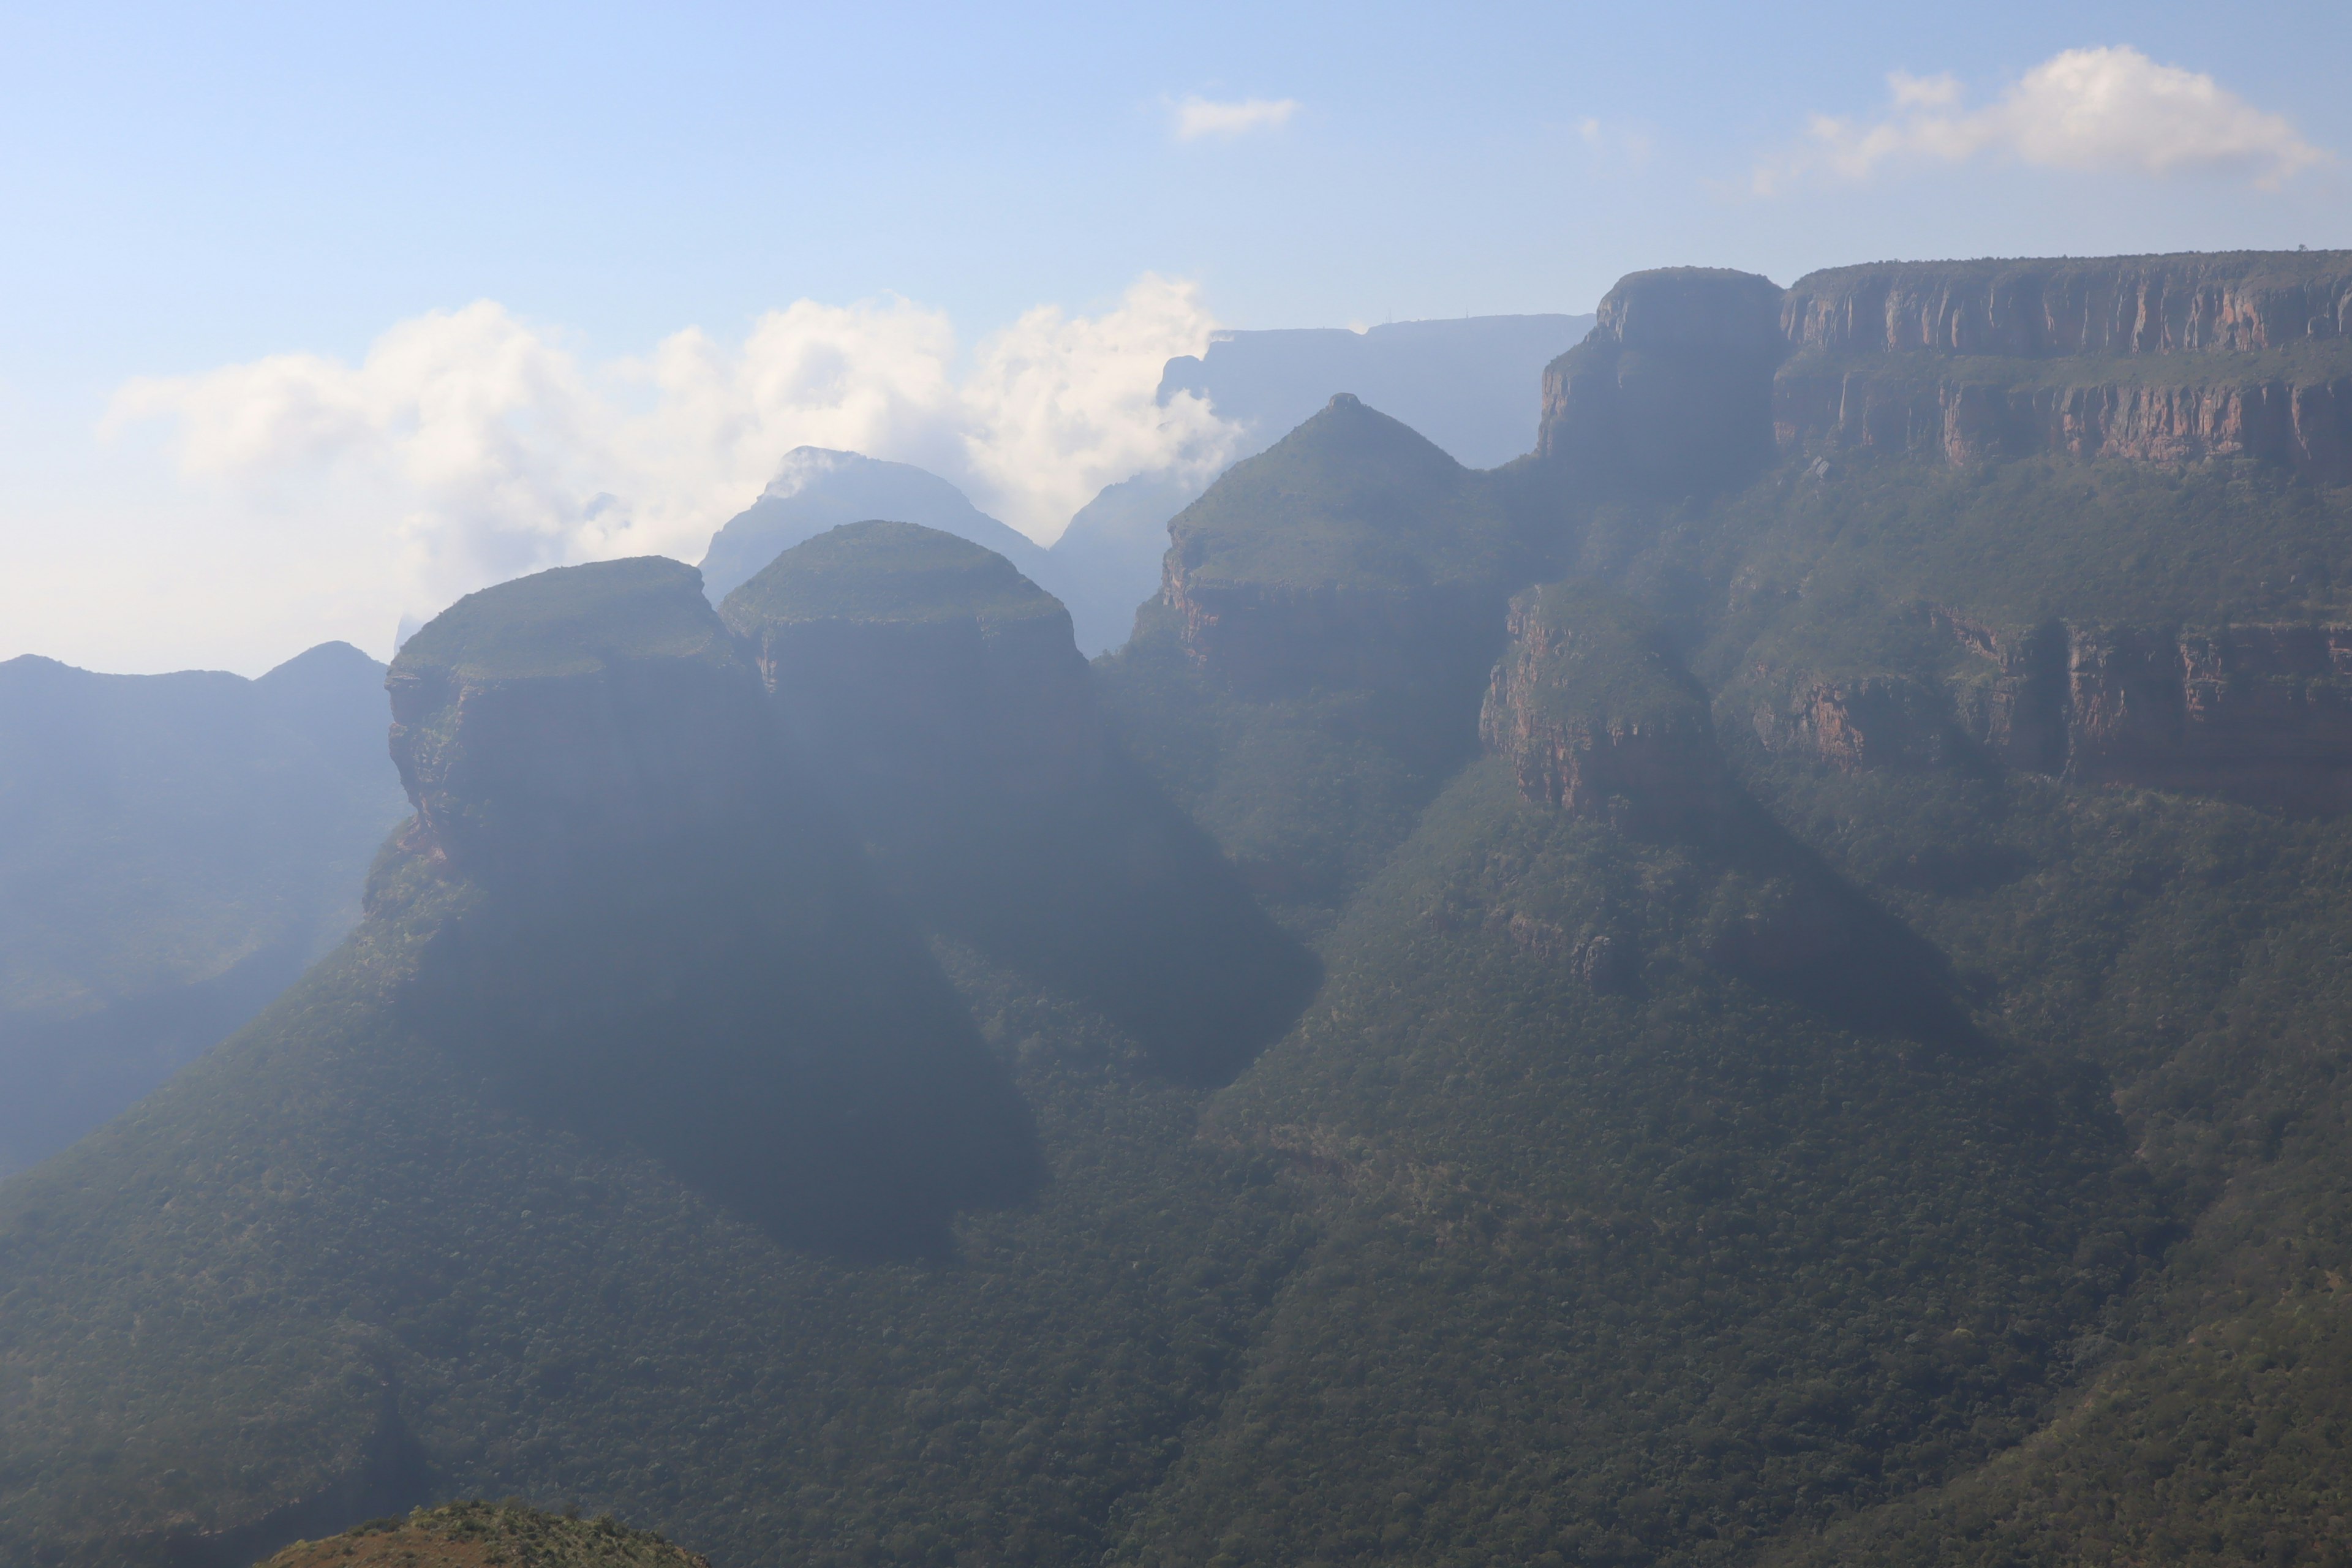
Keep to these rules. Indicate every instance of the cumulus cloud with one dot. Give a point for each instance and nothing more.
(2102, 110)
(470, 445)
(1199, 117)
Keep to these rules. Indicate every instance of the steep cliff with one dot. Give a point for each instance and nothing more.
(2191, 303)
(2257, 713)
(937, 696)
(1672, 387)
(1598, 719)
(2161, 359)
(661, 936)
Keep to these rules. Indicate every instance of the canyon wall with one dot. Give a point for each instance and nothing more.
(1673, 386)
(1597, 719)
(2195, 303)
(2159, 358)
(2156, 359)
(2256, 713)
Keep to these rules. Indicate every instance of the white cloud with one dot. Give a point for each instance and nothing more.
(1199, 117)
(2101, 111)
(468, 445)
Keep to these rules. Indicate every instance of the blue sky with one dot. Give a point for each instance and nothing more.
(189, 189)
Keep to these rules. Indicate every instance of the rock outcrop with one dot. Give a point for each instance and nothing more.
(936, 696)
(1673, 386)
(2191, 303)
(2261, 714)
(1597, 719)
(2158, 359)
(658, 931)
(596, 711)
(1862, 722)
(2257, 713)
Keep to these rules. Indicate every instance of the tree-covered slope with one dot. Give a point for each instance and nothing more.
(174, 849)
(1816, 1057)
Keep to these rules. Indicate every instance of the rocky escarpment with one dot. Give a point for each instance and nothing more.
(2160, 358)
(598, 711)
(661, 933)
(1859, 721)
(937, 696)
(2193, 303)
(1597, 719)
(1352, 554)
(1673, 386)
(2256, 713)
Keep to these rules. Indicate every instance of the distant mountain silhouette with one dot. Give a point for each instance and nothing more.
(818, 488)
(174, 848)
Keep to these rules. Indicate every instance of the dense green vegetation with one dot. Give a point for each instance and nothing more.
(567, 621)
(1925, 1165)
(1350, 497)
(174, 849)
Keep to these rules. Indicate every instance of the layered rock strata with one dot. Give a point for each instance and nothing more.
(2164, 359)
(1596, 719)
(1673, 386)
(2158, 359)
(2256, 713)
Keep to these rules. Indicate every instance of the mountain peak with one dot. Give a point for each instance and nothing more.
(882, 571)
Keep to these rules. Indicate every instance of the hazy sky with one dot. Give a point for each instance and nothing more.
(320, 316)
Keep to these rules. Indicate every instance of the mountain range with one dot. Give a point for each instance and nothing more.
(1465, 382)
(176, 849)
(1761, 984)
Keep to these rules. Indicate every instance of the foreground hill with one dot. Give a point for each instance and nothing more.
(470, 1534)
(175, 849)
(1819, 1053)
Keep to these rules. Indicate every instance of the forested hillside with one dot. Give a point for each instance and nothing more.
(1737, 991)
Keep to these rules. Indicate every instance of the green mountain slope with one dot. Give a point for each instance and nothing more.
(175, 848)
(1827, 1046)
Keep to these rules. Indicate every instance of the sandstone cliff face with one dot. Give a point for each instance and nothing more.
(1970, 359)
(2303, 423)
(2259, 714)
(2044, 309)
(1867, 721)
(1673, 386)
(1596, 719)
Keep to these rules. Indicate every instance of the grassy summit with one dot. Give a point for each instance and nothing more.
(567, 621)
(1350, 498)
(889, 572)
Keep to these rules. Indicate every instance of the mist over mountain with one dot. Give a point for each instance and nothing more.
(176, 849)
(815, 490)
(1463, 385)
(1761, 983)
